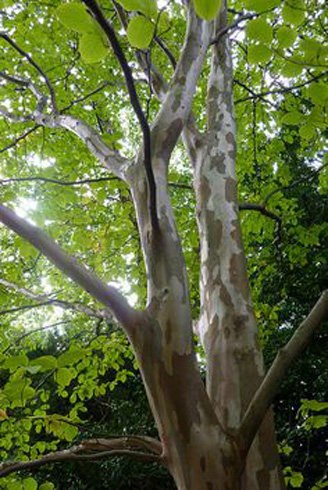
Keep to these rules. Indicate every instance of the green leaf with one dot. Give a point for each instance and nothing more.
(18, 391)
(307, 131)
(14, 362)
(261, 5)
(74, 16)
(72, 356)
(317, 406)
(147, 7)
(291, 69)
(318, 93)
(207, 9)
(286, 36)
(292, 118)
(46, 363)
(140, 32)
(64, 376)
(30, 484)
(47, 486)
(92, 48)
(15, 485)
(259, 30)
(296, 479)
(258, 53)
(293, 12)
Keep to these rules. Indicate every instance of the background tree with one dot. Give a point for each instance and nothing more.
(206, 438)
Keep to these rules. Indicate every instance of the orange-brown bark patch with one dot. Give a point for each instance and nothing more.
(231, 190)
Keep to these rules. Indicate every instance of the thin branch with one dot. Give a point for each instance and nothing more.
(25, 307)
(283, 90)
(105, 294)
(30, 332)
(20, 138)
(253, 96)
(233, 26)
(166, 51)
(284, 359)
(110, 33)
(47, 299)
(247, 206)
(35, 65)
(57, 182)
(117, 447)
(294, 184)
(41, 99)
(92, 450)
(87, 96)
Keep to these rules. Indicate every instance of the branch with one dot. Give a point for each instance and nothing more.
(192, 138)
(107, 295)
(110, 33)
(20, 138)
(46, 299)
(27, 84)
(176, 108)
(283, 90)
(85, 97)
(284, 359)
(36, 66)
(57, 182)
(294, 184)
(30, 332)
(233, 26)
(110, 158)
(93, 450)
(253, 96)
(261, 209)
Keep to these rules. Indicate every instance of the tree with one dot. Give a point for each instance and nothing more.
(218, 436)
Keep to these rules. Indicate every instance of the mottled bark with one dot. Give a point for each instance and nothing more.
(227, 324)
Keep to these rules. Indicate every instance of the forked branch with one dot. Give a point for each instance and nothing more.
(49, 299)
(35, 65)
(138, 447)
(107, 295)
(119, 53)
(284, 359)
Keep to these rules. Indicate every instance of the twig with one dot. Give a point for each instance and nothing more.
(36, 66)
(27, 334)
(20, 138)
(276, 91)
(294, 184)
(233, 26)
(57, 182)
(46, 300)
(87, 96)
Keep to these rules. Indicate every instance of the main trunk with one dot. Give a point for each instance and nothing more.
(198, 425)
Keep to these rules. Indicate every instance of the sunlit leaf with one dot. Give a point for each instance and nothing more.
(140, 32)
(75, 16)
(286, 36)
(259, 53)
(207, 9)
(259, 30)
(147, 7)
(92, 48)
